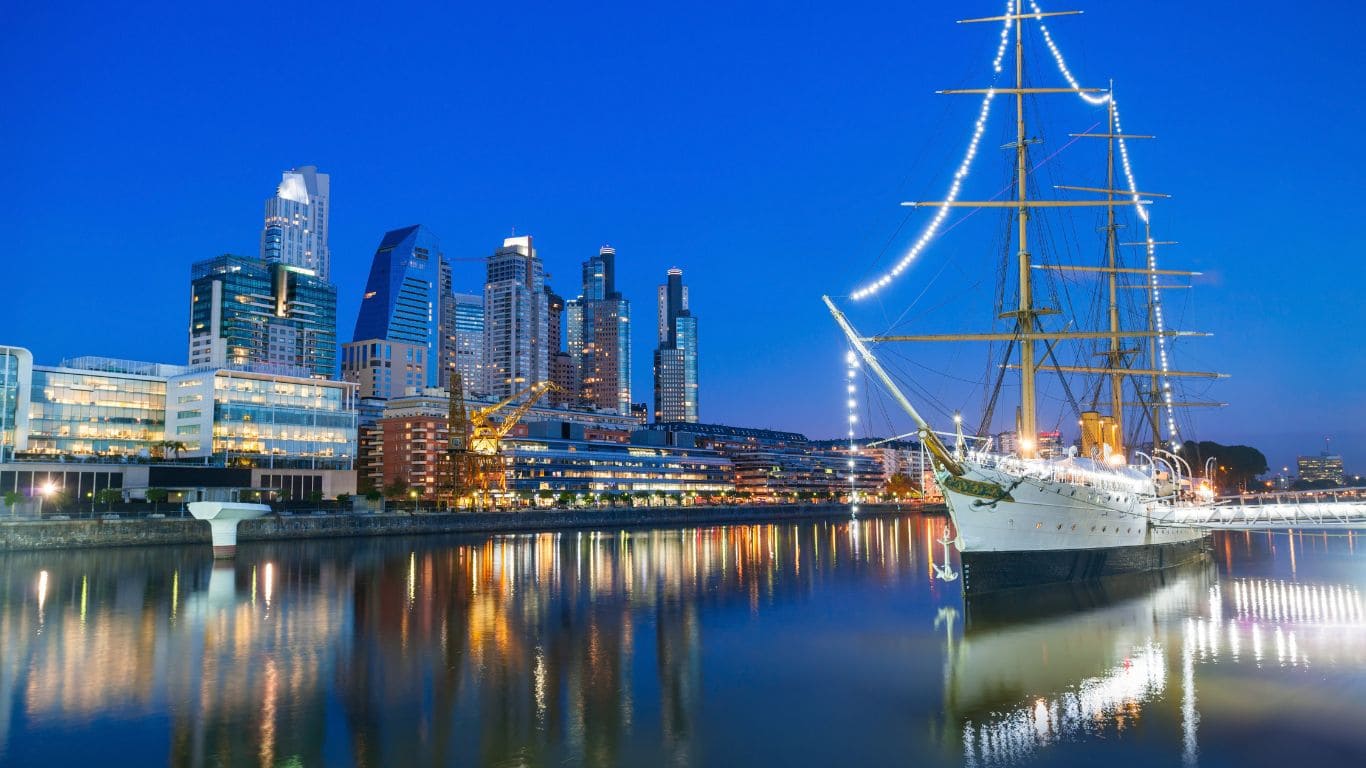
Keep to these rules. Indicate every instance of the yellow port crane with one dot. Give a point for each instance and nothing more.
(486, 437)
(474, 468)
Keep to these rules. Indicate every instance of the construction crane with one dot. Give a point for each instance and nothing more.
(473, 468)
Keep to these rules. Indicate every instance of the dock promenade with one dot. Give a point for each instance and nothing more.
(28, 535)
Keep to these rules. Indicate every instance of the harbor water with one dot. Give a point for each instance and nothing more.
(796, 643)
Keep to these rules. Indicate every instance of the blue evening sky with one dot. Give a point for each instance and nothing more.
(762, 147)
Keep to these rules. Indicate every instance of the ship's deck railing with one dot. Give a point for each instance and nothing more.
(1121, 479)
(1275, 516)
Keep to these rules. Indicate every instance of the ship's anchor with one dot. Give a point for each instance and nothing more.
(945, 572)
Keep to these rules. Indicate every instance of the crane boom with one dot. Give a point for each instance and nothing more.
(486, 437)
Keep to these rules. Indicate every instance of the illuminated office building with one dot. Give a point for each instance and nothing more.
(246, 311)
(675, 363)
(1323, 467)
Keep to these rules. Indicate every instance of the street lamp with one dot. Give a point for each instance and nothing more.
(413, 496)
(44, 491)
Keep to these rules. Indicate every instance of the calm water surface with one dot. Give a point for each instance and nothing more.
(826, 643)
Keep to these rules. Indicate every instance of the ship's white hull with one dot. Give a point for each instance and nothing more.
(1015, 530)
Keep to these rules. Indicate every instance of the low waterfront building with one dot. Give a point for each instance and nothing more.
(581, 466)
(92, 423)
(255, 417)
(95, 407)
(777, 473)
(410, 438)
(719, 437)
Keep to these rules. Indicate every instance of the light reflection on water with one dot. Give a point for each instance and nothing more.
(751, 644)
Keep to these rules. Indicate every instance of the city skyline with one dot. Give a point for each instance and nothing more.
(1295, 383)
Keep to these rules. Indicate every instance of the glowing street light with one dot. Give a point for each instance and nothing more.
(44, 491)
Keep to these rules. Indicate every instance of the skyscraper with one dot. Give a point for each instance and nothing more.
(604, 358)
(404, 334)
(516, 319)
(562, 369)
(676, 356)
(245, 310)
(295, 231)
(469, 339)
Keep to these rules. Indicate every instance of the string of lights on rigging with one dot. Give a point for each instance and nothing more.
(958, 176)
(965, 166)
(851, 376)
(1143, 214)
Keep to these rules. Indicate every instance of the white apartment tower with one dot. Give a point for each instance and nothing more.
(295, 232)
(516, 319)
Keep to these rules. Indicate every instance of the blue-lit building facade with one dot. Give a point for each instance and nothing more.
(403, 304)
(247, 311)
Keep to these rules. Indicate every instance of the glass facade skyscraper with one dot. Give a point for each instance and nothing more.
(604, 339)
(469, 341)
(296, 222)
(675, 363)
(407, 301)
(246, 311)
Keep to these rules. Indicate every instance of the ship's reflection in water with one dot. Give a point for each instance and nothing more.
(1074, 663)
(751, 644)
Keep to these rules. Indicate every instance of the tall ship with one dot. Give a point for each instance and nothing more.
(1024, 512)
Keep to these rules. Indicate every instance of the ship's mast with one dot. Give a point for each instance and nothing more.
(1116, 348)
(1027, 433)
(1027, 329)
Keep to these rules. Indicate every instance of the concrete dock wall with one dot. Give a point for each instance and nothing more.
(68, 534)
